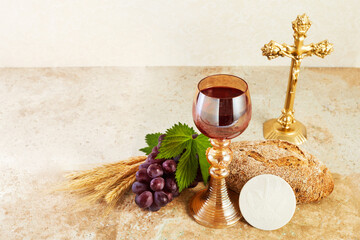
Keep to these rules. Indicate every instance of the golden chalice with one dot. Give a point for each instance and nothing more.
(221, 111)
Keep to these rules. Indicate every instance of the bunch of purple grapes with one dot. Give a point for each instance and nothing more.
(155, 184)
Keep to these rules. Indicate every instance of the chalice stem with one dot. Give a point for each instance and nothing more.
(214, 207)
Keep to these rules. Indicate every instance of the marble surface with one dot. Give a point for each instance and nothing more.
(54, 120)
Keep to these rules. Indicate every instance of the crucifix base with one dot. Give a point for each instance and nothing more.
(296, 133)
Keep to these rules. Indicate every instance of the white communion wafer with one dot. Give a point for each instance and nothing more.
(267, 202)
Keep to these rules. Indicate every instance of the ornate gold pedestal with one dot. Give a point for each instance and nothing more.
(295, 134)
(286, 127)
(216, 207)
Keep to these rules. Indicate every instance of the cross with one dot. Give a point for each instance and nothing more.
(296, 52)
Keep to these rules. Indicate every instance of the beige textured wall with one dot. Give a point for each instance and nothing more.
(36, 33)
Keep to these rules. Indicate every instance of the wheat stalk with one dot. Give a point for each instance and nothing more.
(118, 191)
(107, 183)
(117, 178)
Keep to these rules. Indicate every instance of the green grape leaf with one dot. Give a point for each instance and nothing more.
(202, 143)
(176, 140)
(179, 141)
(186, 169)
(151, 140)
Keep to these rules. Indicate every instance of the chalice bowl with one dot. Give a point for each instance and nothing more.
(221, 111)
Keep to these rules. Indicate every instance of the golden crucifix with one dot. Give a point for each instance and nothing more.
(286, 127)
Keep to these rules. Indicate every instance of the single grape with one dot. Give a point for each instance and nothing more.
(169, 166)
(151, 156)
(152, 159)
(169, 195)
(170, 185)
(144, 199)
(155, 150)
(157, 184)
(160, 198)
(154, 207)
(176, 193)
(155, 170)
(161, 137)
(142, 176)
(177, 158)
(193, 184)
(144, 165)
(139, 187)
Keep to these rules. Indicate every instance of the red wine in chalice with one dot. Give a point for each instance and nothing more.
(222, 112)
(225, 96)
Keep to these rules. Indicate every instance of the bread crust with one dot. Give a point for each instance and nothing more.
(310, 179)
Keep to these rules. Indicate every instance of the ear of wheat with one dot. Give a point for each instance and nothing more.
(106, 183)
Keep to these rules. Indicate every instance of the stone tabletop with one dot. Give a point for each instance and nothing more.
(55, 120)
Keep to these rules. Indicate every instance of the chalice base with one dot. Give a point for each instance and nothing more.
(215, 207)
(295, 134)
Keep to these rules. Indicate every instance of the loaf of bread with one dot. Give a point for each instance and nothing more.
(310, 179)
